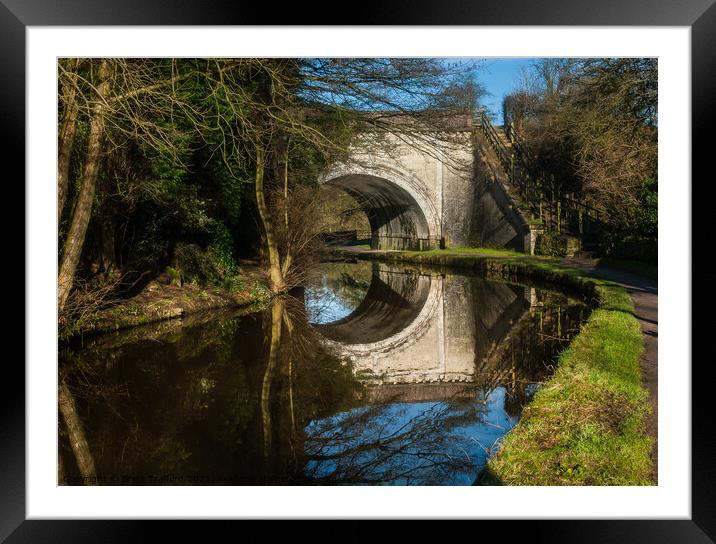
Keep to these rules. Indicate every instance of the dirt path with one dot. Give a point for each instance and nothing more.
(644, 294)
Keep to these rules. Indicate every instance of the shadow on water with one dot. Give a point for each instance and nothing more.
(369, 375)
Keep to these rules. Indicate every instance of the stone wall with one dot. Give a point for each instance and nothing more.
(454, 190)
(496, 220)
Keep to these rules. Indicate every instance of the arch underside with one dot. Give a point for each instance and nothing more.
(396, 219)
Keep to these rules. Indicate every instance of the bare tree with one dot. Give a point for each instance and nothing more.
(591, 124)
(118, 99)
(83, 207)
(246, 111)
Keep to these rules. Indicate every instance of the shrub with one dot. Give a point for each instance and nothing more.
(214, 265)
(630, 247)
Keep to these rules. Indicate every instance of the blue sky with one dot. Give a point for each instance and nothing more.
(500, 77)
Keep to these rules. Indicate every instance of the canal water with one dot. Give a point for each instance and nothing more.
(370, 374)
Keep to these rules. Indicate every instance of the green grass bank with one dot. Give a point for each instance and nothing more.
(586, 424)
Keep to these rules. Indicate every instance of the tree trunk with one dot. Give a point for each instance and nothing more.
(277, 311)
(288, 259)
(75, 431)
(83, 208)
(278, 285)
(67, 138)
(285, 185)
(60, 470)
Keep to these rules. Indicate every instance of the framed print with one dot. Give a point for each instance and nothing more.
(403, 268)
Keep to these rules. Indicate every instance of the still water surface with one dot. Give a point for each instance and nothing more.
(371, 374)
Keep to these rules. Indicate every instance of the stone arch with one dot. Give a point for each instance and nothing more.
(398, 205)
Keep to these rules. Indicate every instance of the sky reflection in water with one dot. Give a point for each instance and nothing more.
(389, 376)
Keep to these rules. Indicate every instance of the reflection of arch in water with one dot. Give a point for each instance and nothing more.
(414, 328)
(397, 310)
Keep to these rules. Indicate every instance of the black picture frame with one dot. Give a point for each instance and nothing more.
(700, 15)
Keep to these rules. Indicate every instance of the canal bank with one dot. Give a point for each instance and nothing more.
(160, 302)
(594, 421)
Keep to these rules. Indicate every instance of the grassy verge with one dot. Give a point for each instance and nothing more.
(484, 251)
(586, 424)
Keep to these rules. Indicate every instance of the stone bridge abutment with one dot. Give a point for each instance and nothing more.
(424, 199)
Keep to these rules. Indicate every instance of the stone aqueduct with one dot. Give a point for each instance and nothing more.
(418, 199)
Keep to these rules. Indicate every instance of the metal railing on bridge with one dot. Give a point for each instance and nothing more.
(548, 206)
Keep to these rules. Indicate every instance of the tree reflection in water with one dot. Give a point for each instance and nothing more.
(442, 443)
(237, 398)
